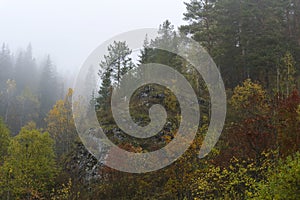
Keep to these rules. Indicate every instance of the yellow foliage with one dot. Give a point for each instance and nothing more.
(238, 181)
(60, 124)
(250, 97)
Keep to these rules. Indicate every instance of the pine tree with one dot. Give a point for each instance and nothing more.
(245, 38)
(117, 61)
(200, 15)
(116, 64)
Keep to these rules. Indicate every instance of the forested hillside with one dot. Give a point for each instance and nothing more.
(256, 47)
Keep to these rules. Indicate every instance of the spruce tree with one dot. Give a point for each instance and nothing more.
(105, 90)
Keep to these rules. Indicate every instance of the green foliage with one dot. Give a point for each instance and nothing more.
(282, 181)
(29, 169)
(105, 91)
(117, 61)
(245, 38)
(4, 141)
(200, 15)
(115, 64)
(254, 43)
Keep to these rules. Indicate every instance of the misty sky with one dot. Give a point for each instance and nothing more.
(69, 30)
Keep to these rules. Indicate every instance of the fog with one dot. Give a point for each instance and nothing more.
(70, 30)
(210, 112)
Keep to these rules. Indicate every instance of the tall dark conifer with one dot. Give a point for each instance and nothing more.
(48, 88)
